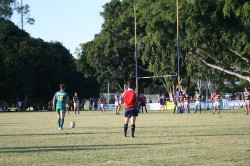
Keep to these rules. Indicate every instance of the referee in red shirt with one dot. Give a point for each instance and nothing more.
(131, 109)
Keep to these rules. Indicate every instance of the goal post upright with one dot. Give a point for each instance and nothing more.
(136, 53)
(178, 43)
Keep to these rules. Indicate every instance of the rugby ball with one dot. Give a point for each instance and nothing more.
(72, 124)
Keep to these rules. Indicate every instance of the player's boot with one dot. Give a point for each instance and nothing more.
(133, 130)
(125, 130)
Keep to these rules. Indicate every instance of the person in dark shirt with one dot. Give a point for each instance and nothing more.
(83, 103)
(161, 101)
(91, 101)
(143, 103)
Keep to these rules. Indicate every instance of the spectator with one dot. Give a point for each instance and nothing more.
(50, 105)
(95, 103)
(19, 105)
(165, 103)
(91, 101)
(138, 99)
(176, 101)
(143, 103)
(4, 106)
(117, 103)
(149, 100)
(83, 103)
(161, 101)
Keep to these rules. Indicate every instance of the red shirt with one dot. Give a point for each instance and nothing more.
(143, 99)
(129, 98)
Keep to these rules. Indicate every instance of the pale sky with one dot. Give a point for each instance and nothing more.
(69, 22)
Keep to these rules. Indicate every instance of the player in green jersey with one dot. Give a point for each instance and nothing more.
(61, 98)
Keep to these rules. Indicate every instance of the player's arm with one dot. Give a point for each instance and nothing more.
(212, 98)
(54, 104)
(99, 101)
(68, 105)
(122, 101)
(243, 96)
(220, 98)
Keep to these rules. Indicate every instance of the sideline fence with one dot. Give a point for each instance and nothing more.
(225, 104)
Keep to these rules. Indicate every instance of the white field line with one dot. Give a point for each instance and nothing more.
(120, 162)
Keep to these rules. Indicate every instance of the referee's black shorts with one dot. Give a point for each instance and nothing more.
(130, 112)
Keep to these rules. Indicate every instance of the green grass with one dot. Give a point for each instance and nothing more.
(162, 138)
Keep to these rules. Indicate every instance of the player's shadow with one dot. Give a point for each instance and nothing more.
(56, 134)
(77, 148)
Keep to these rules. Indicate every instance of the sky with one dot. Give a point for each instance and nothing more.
(69, 22)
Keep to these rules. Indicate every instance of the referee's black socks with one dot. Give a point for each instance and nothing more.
(133, 130)
(125, 130)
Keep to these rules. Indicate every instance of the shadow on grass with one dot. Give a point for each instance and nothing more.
(198, 125)
(56, 134)
(78, 148)
(202, 135)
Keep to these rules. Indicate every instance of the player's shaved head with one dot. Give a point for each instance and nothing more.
(130, 84)
(62, 86)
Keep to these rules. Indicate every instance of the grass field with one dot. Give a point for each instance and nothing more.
(162, 138)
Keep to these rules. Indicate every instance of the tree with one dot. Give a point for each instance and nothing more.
(214, 38)
(24, 10)
(6, 8)
(220, 35)
(32, 69)
(111, 53)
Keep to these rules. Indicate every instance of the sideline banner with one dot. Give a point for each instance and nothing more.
(225, 104)
(233, 104)
(107, 107)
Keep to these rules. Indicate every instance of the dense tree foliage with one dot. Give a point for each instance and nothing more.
(6, 8)
(31, 69)
(214, 42)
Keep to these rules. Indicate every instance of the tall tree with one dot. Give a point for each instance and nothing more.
(32, 69)
(214, 38)
(6, 8)
(111, 53)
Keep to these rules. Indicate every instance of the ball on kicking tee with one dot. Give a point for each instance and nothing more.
(72, 124)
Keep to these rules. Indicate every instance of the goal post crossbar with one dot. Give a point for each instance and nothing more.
(173, 75)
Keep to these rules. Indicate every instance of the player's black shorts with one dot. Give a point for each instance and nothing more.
(131, 112)
(143, 104)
